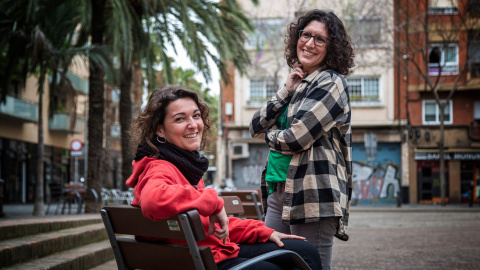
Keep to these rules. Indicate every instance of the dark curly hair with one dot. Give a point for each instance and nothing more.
(339, 47)
(144, 129)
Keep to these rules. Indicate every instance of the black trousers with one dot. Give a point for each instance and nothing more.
(306, 250)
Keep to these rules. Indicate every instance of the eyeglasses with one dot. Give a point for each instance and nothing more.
(319, 40)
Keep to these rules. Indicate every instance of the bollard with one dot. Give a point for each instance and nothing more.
(2, 214)
(470, 196)
(399, 198)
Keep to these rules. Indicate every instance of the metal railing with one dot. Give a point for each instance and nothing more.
(475, 129)
(19, 109)
(62, 122)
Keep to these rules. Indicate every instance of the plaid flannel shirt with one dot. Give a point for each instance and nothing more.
(319, 178)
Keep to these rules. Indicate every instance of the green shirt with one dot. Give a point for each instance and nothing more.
(278, 163)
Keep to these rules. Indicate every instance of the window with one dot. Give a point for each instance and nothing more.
(443, 6)
(474, 52)
(431, 112)
(364, 90)
(476, 110)
(365, 31)
(262, 89)
(267, 31)
(444, 58)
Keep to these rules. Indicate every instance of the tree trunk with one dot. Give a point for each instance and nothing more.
(137, 89)
(126, 120)
(441, 151)
(95, 109)
(39, 206)
(108, 160)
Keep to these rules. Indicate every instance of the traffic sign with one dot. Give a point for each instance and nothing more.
(76, 145)
(76, 153)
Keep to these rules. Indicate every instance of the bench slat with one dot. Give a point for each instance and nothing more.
(121, 217)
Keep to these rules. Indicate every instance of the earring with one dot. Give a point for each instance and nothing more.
(161, 139)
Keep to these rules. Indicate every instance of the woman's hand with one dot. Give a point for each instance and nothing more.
(295, 77)
(222, 220)
(278, 236)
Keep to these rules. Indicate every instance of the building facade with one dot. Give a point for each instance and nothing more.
(436, 57)
(19, 138)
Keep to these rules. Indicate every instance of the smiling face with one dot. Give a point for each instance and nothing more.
(310, 55)
(183, 124)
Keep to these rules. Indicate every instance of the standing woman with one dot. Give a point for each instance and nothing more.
(167, 177)
(307, 184)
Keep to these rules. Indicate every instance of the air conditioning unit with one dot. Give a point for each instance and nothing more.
(240, 150)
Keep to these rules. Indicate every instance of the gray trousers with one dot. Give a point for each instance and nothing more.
(320, 233)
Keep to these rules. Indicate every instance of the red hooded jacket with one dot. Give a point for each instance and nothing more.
(162, 191)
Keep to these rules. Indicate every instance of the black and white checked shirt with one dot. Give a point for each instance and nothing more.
(319, 178)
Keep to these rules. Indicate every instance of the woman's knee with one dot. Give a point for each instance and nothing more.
(306, 250)
(297, 244)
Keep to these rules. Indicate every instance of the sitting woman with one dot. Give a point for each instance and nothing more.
(167, 177)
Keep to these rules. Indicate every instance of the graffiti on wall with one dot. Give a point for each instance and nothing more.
(379, 184)
(252, 173)
(247, 171)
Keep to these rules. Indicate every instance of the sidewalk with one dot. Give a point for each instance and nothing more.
(25, 211)
(415, 208)
(20, 211)
(413, 236)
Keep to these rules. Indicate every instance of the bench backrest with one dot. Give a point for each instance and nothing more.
(251, 201)
(126, 220)
(233, 205)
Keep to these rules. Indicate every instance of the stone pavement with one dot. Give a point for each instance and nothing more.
(411, 237)
(386, 237)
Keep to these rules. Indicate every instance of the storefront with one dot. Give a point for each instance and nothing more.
(18, 168)
(462, 175)
(470, 180)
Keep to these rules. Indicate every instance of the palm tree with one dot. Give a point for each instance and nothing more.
(140, 31)
(39, 36)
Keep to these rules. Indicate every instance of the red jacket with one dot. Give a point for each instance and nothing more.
(162, 191)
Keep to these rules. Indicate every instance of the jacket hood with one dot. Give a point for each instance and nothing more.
(138, 167)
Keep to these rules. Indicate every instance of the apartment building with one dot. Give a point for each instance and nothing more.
(64, 138)
(380, 169)
(439, 46)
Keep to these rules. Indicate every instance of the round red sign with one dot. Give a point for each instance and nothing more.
(76, 145)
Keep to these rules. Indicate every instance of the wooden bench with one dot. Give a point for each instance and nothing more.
(233, 205)
(251, 201)
(124, 221)
(79, 192)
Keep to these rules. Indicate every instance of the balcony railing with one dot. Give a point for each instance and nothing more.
(61, 122)
(475, 129)
(78, 83)
(19, 109)
(474, 66)
(474, 7)
(364, 98)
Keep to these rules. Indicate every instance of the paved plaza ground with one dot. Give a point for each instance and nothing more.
(429, 237)
(386, 237)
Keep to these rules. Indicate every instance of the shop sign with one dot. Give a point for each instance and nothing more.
(448, 156)
(466, 156)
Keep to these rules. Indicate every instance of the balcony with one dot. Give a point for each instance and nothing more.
(79, 84)
(474, 7)
(475, 129)
(474, 66)
(19, 109)
(61, 122)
